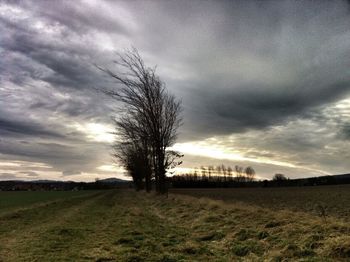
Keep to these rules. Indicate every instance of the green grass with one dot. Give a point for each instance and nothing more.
(128, 226)
(10, 200)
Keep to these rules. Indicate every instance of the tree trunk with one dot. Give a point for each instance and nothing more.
(148, 183)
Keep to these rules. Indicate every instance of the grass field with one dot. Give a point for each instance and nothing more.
(128, 226)
(335, 200)
(11, 200)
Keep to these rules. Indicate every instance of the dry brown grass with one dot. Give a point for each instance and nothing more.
(254, 233)
(323, 201)
(128, 226)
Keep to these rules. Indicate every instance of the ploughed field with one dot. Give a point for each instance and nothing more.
(332, 201)
(123, 225)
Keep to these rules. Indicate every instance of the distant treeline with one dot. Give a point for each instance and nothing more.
(311, 181)
(225, 177)
(179, 181)
(215, 176)
(59, 185)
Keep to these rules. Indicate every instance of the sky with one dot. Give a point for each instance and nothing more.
(263, 83)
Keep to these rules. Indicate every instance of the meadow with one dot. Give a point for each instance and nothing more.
(123, 225)
(10, 200)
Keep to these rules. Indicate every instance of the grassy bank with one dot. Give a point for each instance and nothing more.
(128, 226)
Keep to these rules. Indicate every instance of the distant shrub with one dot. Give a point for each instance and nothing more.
(279, 177)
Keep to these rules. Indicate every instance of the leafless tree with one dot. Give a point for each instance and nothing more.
(239, 174)
(128, 155)
(210, 171)
(195, 174)
(250, 174)
(133, 150)
(218, 170)
(223, 168)
(229, 173)
(150, 114)
(204, 172)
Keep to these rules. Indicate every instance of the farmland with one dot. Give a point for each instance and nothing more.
(335, 200)
(122, 225)
(9, 201)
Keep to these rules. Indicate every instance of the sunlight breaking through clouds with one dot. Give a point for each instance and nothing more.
(97, 132)
(213, 151)
(24, 164)
(205, 149)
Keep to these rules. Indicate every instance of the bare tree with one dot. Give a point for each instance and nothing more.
(239, 174)
(204, 172)
(229, 173)
(210, 171)
(223, 168)
(250, 173)
(218, 171)
(133, 151)
(150, 114)
(132, 160)
(195, 177)
(195, 174)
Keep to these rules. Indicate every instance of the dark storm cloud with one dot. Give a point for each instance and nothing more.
(17, 129)
(240, 65)
(289, 37)
(344, 132)
(237, 65)
(246, 108)
(62, 65)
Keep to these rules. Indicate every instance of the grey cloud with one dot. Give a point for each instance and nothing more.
(238, 66)
(64, 68)
(75, 158)
(77, 18)
(344, 132)
(29, 173)
(253, 64)
(228, 111)
(7, 176)
(70, 172)
(15, 128)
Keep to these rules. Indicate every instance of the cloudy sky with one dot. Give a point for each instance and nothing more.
(265, 84)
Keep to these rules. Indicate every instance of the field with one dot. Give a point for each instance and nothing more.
(334, 200)
(122, 225)
(9, 201)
